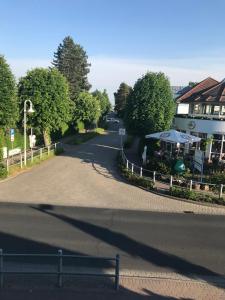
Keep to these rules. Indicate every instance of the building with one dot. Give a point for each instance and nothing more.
(201, 112)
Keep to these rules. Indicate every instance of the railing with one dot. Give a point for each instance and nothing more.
(169, 180)
(18, 159)
(59, 272)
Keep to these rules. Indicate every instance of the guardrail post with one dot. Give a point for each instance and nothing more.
(132, 168)
(117, 272)
(48, 150)
(221, 191)
(140, 172)
(127, 164)
(7, 165)
(1, 268)
(171, 181)
(191, 183)
(55, 146)
(40, 153)
(60, 265)
(32, 156)
(154, 173)
(21, 160)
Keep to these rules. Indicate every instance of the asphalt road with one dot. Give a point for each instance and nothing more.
(184, 244)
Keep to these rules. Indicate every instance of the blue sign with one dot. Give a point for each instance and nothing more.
(12, 134)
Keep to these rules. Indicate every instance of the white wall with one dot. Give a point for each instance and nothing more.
(196, 125)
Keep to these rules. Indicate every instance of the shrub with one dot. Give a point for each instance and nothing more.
(59, 149)
(79, 126)
(3, 171)
(191, 195)
(133, 178)
(218, 178)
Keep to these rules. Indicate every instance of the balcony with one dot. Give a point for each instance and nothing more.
(210, 124)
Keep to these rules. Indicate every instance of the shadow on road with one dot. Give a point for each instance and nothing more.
(22, 287)
(138, 249)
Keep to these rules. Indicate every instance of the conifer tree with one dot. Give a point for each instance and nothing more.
(71, 60)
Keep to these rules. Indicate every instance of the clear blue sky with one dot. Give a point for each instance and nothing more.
(141, 34)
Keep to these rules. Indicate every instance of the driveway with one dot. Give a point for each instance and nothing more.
(86, 176)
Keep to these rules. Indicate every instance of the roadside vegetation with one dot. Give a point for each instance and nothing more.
(176, 191)
(62, 102)
(84, 136)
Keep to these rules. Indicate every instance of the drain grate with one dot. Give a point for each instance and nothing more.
(188, 212)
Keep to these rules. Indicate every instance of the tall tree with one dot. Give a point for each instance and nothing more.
(121, 97)
(71, 60)
(8, 98)
(150, 107)
(87, 108)
(103, 100)
(48, 90)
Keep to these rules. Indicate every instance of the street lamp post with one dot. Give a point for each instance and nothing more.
(30, 110)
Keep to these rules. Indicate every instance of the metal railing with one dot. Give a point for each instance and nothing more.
(60, 272)
(18, 159)
(170, 181)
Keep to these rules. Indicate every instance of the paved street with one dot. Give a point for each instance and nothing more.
(148, 242)
(79, 203)
(87, 176)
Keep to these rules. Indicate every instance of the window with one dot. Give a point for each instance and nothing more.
(196, 109)
(216, 110)
(222, 110)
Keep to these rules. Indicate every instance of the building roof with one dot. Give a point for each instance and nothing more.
(197, 92)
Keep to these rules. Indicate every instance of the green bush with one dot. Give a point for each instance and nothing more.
(133, 178)
(3, 171)
(79, 127)
(59, 149)
(191, 195)
(218, 178)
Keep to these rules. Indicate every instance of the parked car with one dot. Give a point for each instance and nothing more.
(112, 120)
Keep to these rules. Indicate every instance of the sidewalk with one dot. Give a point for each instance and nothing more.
(130, 288)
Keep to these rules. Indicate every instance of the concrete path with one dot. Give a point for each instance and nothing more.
(86, 175)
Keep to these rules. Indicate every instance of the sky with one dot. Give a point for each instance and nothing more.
(123, 39)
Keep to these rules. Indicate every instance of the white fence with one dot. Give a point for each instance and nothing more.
(18, 160)
(168, 181)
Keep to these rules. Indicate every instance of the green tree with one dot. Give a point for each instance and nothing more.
(192, 84)
(103, 99)
(121, 97)
(87, 108)
(8, 97)
(48, 90)
(150, 106)
(71, 60)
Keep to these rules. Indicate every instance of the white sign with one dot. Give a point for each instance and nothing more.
(14, 151)
(4, 150)
(199, 160)
(32, 139)
(122, 131)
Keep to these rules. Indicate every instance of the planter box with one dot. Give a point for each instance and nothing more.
(205, 187)
(196, 186)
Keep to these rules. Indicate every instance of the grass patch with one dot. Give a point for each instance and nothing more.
(83, 137)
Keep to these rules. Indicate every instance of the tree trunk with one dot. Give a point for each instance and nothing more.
(47, 138)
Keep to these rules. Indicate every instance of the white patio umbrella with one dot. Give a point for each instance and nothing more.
(173, 136)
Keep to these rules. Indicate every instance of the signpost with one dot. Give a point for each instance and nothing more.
(199, 161)
(12, 136)
(122, 132)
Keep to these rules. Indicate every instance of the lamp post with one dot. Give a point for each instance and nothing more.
(30, 110)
